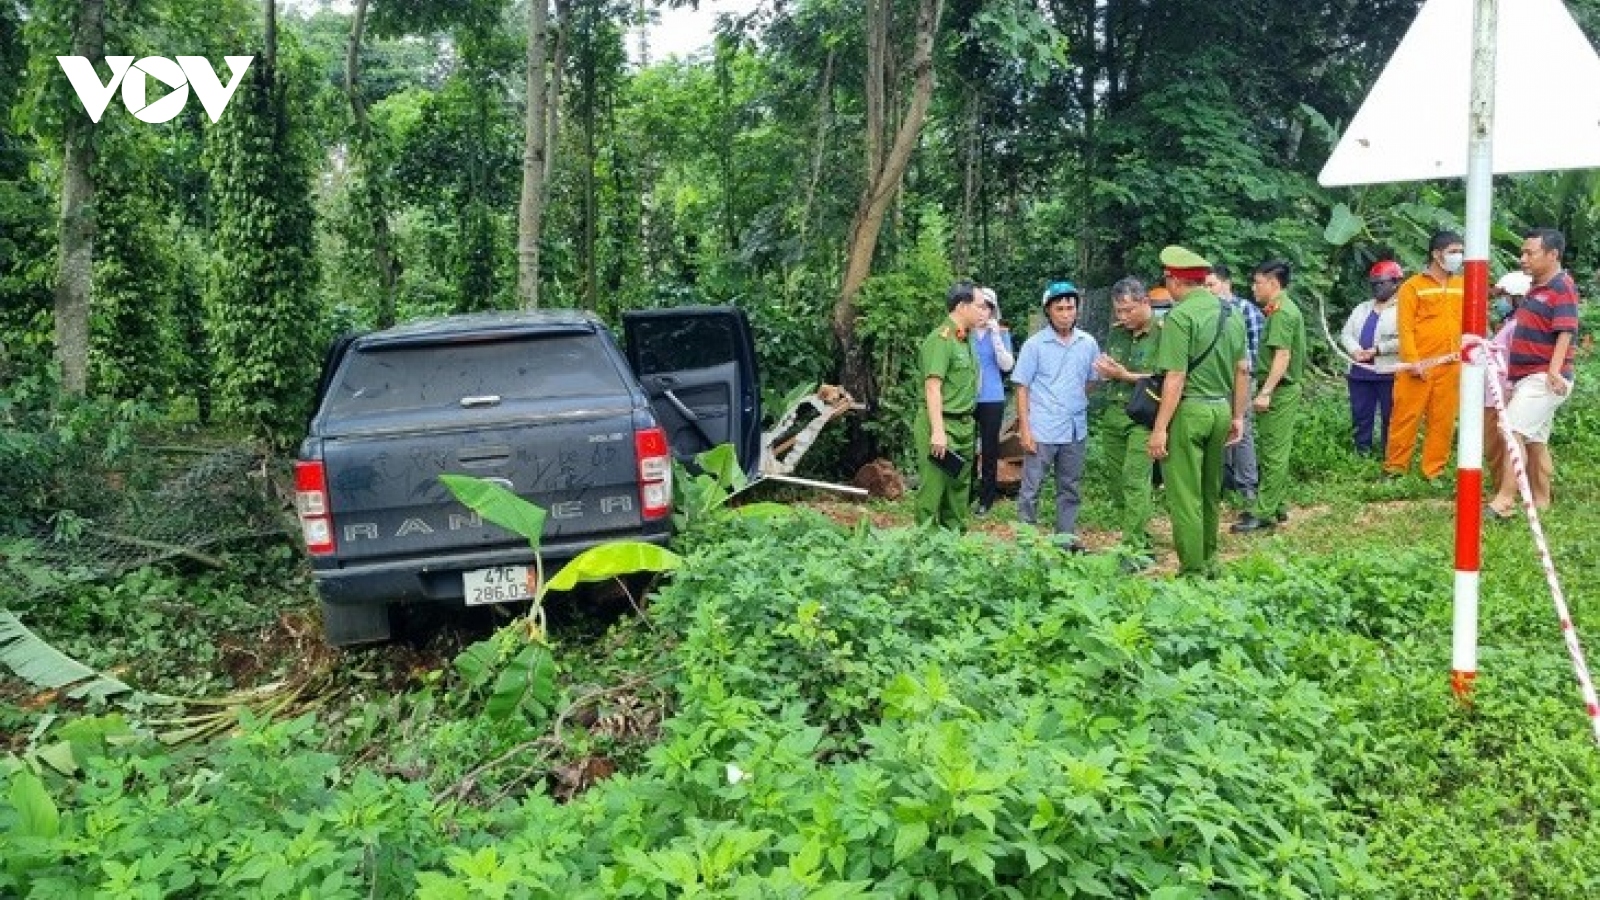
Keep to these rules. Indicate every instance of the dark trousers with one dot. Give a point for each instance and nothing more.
(989, 416)
(1368, 399)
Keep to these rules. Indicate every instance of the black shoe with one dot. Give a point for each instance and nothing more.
(1282, 516)
(1250, 523)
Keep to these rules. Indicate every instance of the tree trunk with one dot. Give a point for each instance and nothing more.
(985, 201)
(558, 66)
(591, 200)
(74, 288)
(617, 261)
(819, 148)
(530, 209)
(969, 183)
(1113, 61)
(884, 174)
(383, 257)
(1088, 83)
(269, 12)
(722, 66)
(877, 59)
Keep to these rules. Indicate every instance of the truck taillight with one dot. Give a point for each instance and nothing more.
(655, 472)
(311, 502)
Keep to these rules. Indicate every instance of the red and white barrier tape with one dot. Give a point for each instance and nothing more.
(1494, 359)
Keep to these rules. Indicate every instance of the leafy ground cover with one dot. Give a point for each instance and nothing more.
(840, 706)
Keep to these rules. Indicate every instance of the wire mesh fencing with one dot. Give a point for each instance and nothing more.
(177, 503)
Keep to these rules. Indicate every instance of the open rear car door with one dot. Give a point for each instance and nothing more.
(698, 366)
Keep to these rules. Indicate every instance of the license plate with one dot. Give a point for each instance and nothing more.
(500, 584)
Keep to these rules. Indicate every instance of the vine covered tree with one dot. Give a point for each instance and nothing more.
(74, 283)
(261, 313)
(26, 226)
(371, 154)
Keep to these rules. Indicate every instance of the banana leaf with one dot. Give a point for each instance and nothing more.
(43, 666)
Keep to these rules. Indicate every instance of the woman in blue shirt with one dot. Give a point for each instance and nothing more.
(992, 343)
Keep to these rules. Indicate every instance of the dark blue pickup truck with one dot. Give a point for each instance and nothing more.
(544, 403)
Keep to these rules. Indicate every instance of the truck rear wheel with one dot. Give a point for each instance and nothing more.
(344, 625)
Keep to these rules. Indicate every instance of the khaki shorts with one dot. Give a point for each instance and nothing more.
(1533, 406)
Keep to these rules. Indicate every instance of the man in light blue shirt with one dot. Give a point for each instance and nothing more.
(1052, 376)
(1239, 469)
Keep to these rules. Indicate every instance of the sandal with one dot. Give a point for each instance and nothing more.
(1497, 515)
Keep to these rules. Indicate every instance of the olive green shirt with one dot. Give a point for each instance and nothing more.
(1186, 333)
(1286, 327)
(947, 356)
(1136, 352)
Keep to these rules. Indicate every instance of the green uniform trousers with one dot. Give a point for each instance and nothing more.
(1128, 454)
(943, 500)
(1193, 475)
(1274, 444)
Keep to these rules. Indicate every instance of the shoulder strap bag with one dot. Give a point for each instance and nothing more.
(1146, 399)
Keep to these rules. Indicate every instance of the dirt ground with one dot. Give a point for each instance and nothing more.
(1314, 524)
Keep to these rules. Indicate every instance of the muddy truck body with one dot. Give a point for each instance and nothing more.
(545, 404)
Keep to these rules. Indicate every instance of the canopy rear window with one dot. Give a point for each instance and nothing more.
(431, 376)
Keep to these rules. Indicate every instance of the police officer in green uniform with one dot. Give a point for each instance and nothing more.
(1129, 355)
(945, 422)
(1203, 395)
(1277, 401)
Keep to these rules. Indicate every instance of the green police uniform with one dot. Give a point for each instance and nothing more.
(1198, 432)
(1286, 328)
(947, 356)
(1126, 440)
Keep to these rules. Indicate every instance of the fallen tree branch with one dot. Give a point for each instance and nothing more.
(599, 693)
(467, 782)
(552, 743)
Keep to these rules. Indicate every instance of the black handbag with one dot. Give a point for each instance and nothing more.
(1146, 400)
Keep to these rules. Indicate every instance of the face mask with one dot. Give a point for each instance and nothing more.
(1502, 307)
(1452, 262)
(1383, 290)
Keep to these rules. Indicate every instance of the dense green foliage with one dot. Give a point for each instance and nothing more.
(819, 710)
(262, 316)
(921, 710)
(805, 709)
(1070, 140)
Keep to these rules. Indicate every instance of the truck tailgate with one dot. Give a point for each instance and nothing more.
(387, 500)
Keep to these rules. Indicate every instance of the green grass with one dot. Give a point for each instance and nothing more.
(865, 710)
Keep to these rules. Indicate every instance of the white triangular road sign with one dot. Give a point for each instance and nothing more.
(1413, 125)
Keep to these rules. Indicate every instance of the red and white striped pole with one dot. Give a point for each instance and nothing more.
(1474, 321)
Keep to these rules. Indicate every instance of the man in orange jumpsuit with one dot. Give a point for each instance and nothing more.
(1427, 387)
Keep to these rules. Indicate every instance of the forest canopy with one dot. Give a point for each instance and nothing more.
(828, 166)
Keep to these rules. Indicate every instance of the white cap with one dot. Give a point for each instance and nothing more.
(1516, 284)
(989, 297)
